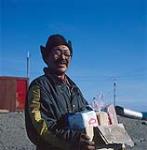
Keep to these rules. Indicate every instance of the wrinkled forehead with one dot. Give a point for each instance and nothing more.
(62, 48)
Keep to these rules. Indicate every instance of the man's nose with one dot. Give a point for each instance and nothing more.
(63, 56)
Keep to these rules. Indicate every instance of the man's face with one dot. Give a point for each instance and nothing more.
(58, 59)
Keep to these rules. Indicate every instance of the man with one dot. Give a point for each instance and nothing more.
(51, 97)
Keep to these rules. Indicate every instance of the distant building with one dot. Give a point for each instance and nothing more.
(13, 91)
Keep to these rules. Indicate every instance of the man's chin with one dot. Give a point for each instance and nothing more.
(61, 71)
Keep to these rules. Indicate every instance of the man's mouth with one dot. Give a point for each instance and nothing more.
(61, 63)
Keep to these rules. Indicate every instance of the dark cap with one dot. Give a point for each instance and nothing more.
(53, 41)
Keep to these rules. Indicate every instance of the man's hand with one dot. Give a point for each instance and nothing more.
(85, 143)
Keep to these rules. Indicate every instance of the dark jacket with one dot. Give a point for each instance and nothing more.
(48, 102)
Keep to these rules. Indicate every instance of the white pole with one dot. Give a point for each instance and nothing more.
(114, 93)
(28, 64)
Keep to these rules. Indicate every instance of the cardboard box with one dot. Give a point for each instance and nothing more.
(102, 118)
(98, 128)
(112, 136)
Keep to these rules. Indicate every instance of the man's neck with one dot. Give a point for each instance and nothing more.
(59, 76)
(62, 77)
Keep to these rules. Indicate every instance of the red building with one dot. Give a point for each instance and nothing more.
(13, 92)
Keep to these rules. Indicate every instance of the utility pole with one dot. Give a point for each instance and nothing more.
(28, 64)
(114, 93)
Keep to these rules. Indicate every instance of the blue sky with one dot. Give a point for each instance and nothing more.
(109, 39)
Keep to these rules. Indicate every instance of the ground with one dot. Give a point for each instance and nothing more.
(13, 134)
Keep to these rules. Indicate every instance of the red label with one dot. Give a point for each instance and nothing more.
(92, 121)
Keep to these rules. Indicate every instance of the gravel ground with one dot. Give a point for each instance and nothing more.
(137, 129)
(13, 134)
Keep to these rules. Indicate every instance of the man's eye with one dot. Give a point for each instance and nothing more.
(58, 52)
(66, 54)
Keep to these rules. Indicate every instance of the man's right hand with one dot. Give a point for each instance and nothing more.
(85, 143)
